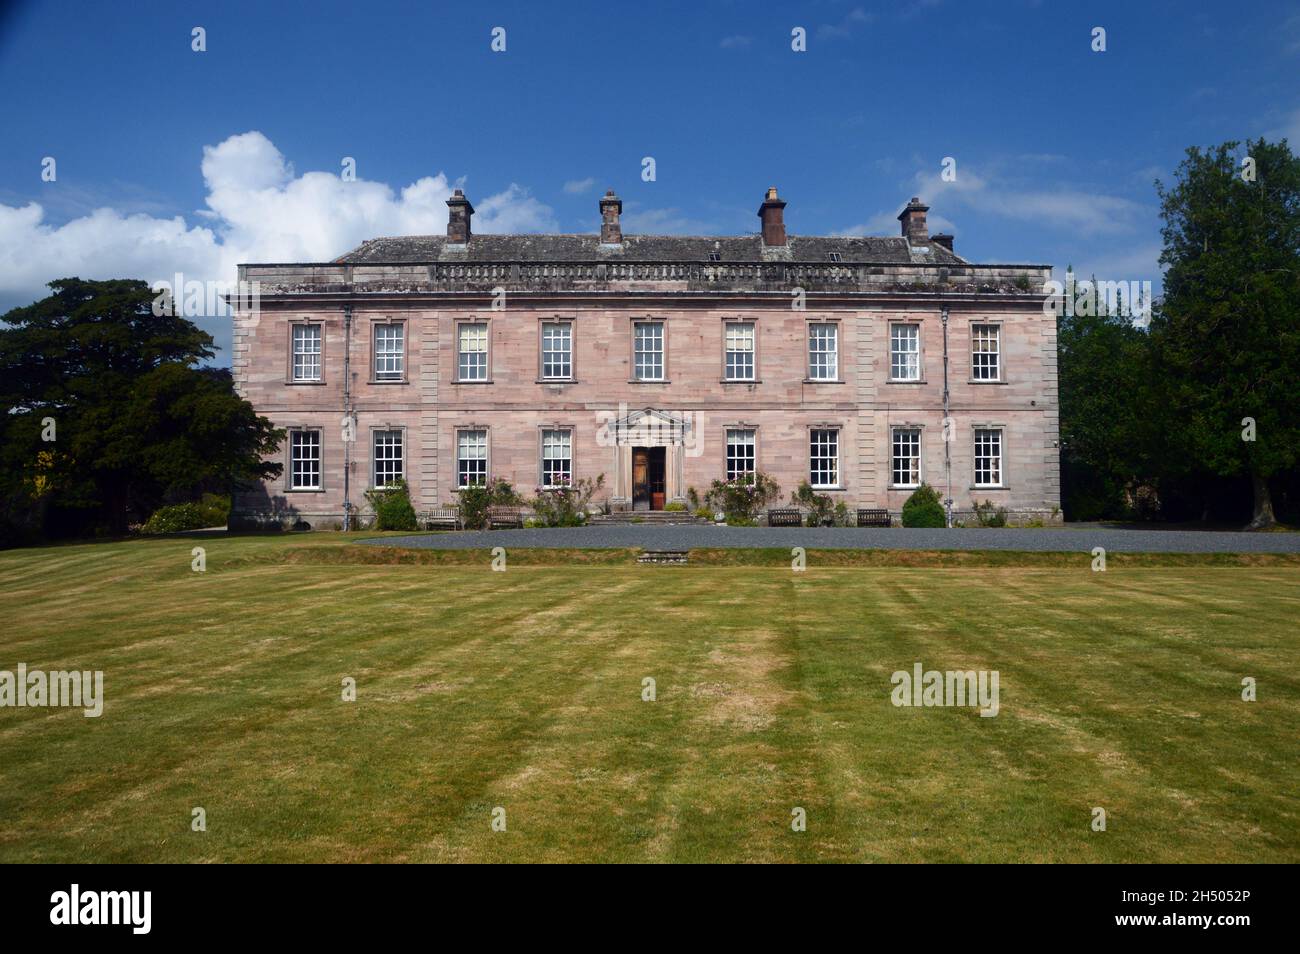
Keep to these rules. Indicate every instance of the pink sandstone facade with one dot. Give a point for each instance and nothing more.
(659, 362)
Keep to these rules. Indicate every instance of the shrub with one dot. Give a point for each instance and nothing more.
(392, 506)
(742, 498)
(923, 508)
(566, 505)
(475, 500)
(175, 519)
(693, 498)
(675, 506)
(820, 508)
(990, 516)
(704, 513)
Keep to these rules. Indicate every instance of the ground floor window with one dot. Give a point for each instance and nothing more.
(304, 460)
(557, 457)
(740, 452)
(988, 457)
(824, 457)
(907, 457)
(471, 458)
(388, 456)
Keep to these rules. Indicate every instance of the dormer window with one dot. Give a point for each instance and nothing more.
(836, 257)
(715, 257)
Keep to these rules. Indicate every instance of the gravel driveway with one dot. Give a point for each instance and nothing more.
(686, 536)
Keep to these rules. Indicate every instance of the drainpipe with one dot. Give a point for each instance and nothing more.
(947, 436)
(347, 415)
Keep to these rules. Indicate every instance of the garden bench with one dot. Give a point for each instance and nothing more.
(504, 517)
(784, 517)
(874, 518)
(448, 517)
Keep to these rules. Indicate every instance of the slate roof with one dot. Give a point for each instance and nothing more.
(417, 249)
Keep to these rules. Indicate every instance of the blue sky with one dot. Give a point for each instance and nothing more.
(1056, 146)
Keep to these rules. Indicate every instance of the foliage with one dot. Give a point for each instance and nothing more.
(675, 506)
(703, 513)
(392, 506)
(693, 498)
(475, 500)
(923, 508)
(820, 507)
(566, 504)
(137, 423)
(990, 515)
(743, 497)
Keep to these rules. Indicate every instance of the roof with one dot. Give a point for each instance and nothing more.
(415, 249)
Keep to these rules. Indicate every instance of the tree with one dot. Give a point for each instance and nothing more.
(1228, 331)
(135, 421)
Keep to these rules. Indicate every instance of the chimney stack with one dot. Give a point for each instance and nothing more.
(944, 239)
(772, 215)
(913, 219)
(458, 215)
(611, 207)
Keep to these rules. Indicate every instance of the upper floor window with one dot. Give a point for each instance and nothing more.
(648, 350)
(472, 351)
(557, 457)
(988, 457)
(740, 452)
(823, 352)
(306, 352)
(557, 350)
(906, 457)
(389, 360)
(740, 351)
(824, 457)
(905, 352)
(304, 460)
(389, 458)
(985, 352)
(471, 458)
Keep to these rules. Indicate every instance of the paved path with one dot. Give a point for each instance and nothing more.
(686, 536)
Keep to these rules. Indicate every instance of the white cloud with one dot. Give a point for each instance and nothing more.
(855, 18)
(579, 186)
(670, 221)
(258, 210)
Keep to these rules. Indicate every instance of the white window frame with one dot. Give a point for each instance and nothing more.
(557, 363)
(391, 474)
(913, 353)
(823, 362)
(983, 436)
(478, 370)
(388, 364)
(656, 356)
(739, 350)
(557, 442)
(985, 364)
(297, 444)
(911, 453)
(474, 444)
(820, 438)
(307, 363)
(746, 460)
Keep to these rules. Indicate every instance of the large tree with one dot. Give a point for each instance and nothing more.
(135, 420)
(1228, 331)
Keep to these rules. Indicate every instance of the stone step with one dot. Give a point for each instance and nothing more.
(646, 516)
(663, 556)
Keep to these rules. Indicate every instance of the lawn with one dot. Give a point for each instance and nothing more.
(523, 690)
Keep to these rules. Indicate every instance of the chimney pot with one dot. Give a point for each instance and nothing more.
(772, 215)
(942, 238)
(913, 220)
(459, 212)
(611, 207)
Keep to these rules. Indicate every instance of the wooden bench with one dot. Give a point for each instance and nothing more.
(444, 517)
(784, 517)
(874, 518)
(504, 517)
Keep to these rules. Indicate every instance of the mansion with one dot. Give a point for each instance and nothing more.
(863, 366)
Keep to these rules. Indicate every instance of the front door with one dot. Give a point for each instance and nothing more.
(648, 475)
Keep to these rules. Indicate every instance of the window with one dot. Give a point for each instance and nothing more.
(715, 257)
(905, 352)
(557, 458)
(388, 457)
(823, 352)
(740, 452)
(648, 350)
(985, 352)
(304, 460)
(389, 353)
(471, 458)
(824, 457)
(472, 346)
(907, 457)
(988, 457)
(306, 352)
(557, 350)
(836, 257)
(740, 351)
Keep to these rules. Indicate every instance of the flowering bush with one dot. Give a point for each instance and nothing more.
(475, 500)
(392, 507)
(565, 505)
(741, 498)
